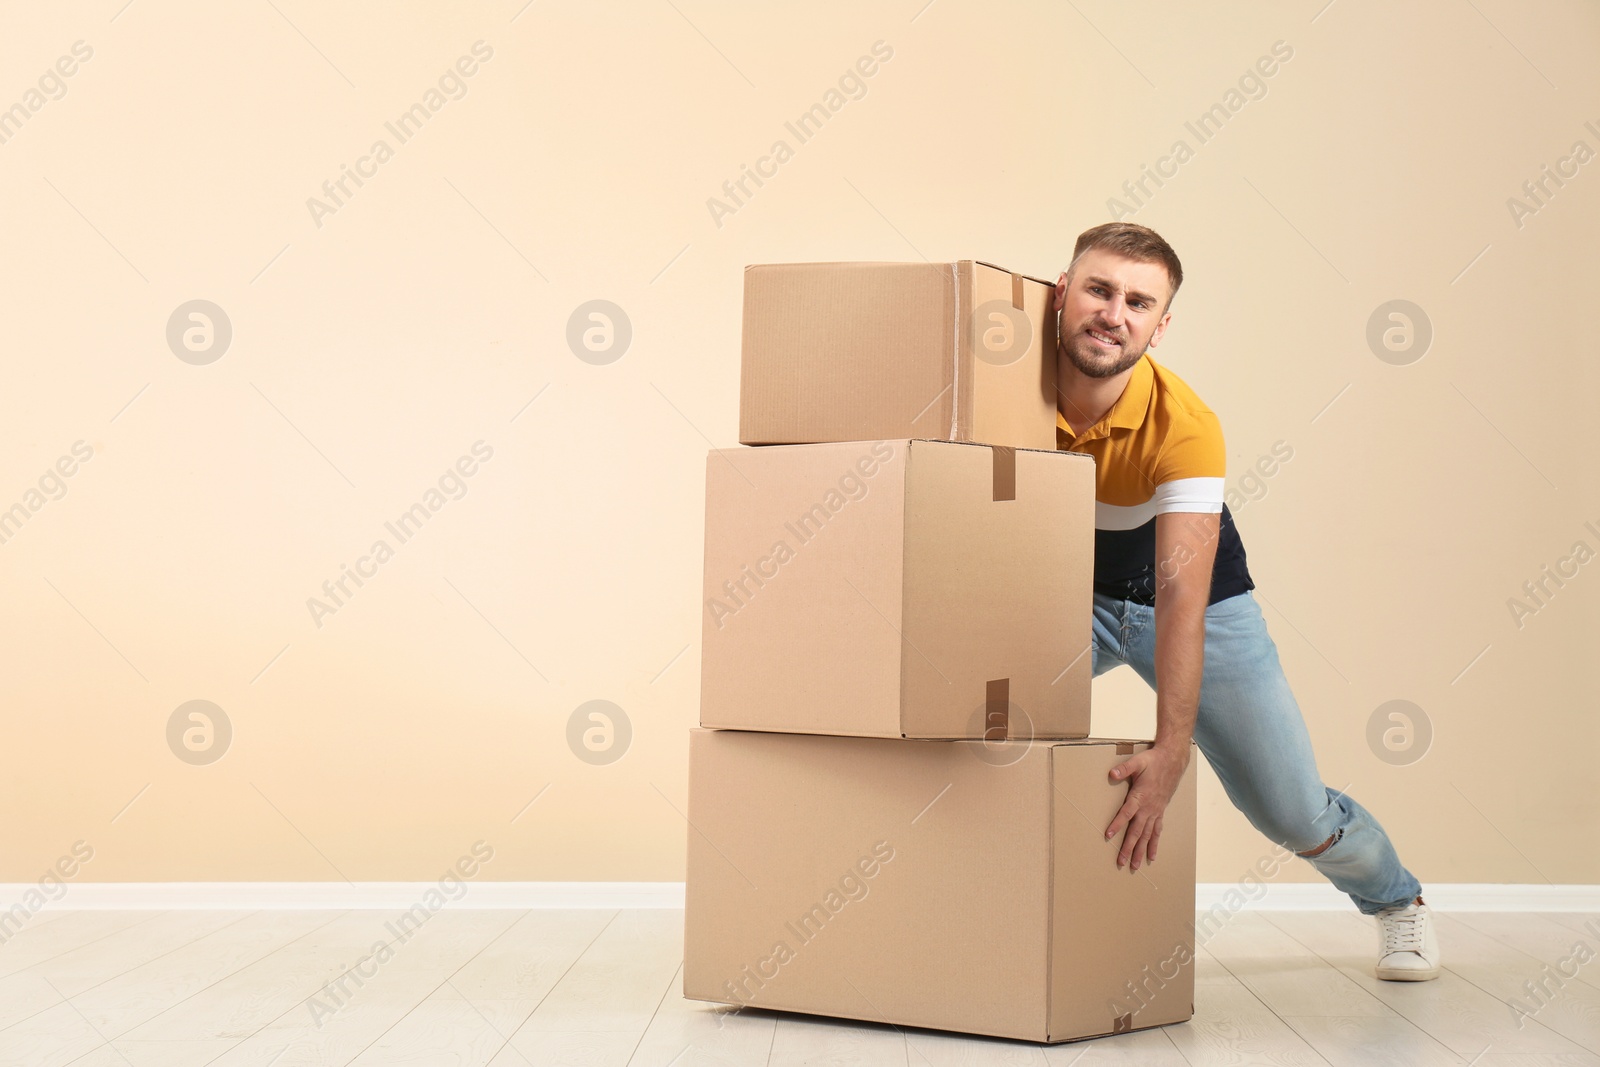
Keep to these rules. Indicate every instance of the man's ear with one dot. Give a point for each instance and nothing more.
(1161, 329)
(1061, 290)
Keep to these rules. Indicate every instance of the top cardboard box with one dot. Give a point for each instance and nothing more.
(960, 351)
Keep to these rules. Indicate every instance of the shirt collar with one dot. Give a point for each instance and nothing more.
(1129, 410)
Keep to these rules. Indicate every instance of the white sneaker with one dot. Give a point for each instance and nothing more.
(1408, 946)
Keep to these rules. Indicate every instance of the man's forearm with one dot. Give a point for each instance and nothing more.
(1180, 663)
(1186, 546)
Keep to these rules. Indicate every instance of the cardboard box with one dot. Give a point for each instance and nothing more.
(898, 589)
(957, 885)
(960, 351)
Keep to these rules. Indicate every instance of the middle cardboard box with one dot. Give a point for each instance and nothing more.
(906, 588)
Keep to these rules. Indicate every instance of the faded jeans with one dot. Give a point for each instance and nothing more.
(1251, 732)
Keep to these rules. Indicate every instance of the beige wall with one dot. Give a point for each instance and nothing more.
(372, 351)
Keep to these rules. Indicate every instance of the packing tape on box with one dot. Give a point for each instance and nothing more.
(1005, 472)
(955, 351)
(997, 710)
(1016, 291)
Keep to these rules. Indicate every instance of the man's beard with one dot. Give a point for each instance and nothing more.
(1092, 360)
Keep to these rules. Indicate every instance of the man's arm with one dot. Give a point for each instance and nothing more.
(1186, 548)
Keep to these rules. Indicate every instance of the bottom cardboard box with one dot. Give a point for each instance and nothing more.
(955, 885)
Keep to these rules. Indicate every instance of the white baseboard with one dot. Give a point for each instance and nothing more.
(1441, 896)
(331, 896)
(334, 896)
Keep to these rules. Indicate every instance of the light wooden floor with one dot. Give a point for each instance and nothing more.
(504, 988)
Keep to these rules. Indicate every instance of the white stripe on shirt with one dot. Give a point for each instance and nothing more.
(1181, 494)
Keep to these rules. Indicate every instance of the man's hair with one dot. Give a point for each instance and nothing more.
(1135, 242)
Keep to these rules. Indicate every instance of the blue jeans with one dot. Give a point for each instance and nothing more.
(1251, 732)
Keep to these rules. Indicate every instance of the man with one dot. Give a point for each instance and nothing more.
(1172, 596)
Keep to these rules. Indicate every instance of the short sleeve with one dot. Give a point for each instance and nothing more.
(1191, 468)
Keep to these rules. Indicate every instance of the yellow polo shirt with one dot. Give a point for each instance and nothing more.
(1159, 449)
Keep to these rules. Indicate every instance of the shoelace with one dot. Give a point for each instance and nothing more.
(1402, 932)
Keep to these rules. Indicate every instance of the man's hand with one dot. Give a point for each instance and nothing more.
(1152, 777)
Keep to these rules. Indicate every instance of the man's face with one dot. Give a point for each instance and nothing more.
(1111, 310)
